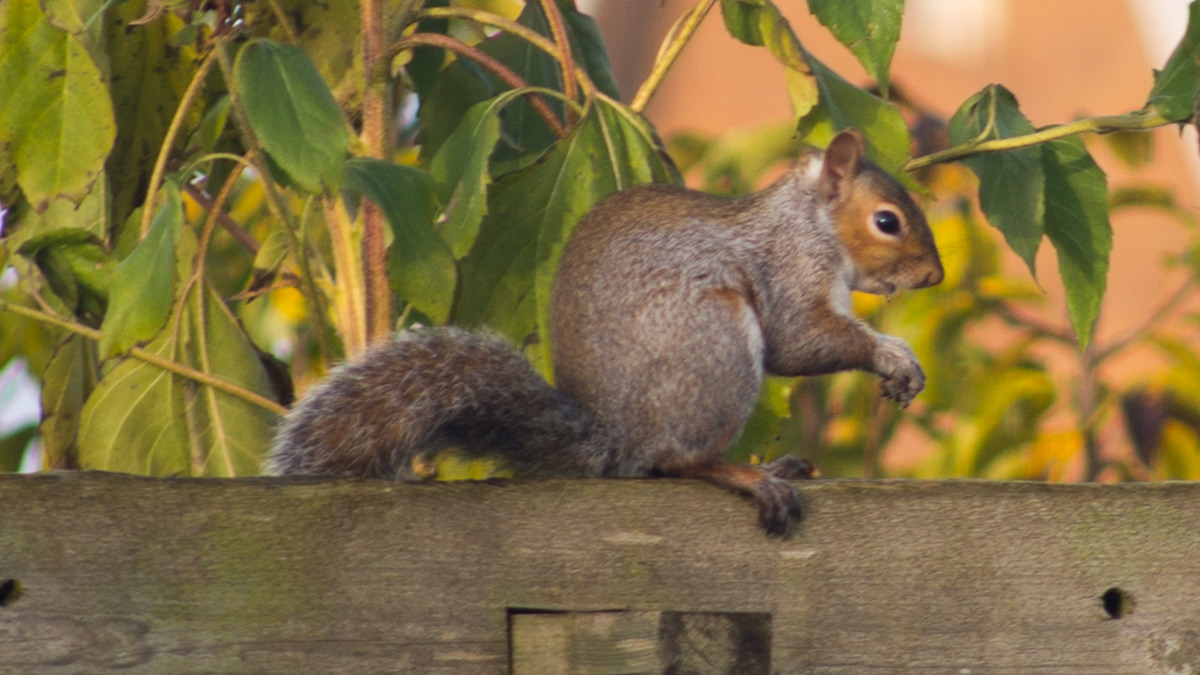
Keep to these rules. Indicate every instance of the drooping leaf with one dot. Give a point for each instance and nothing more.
(55, 112)
(1012, 187)
(293, 113)
(462, 174)
(232, 434)
(145, 420)
(143, 284)
(870, 28)
(327, 31)
(76, 265)
(759, 23)
(843, 105)
(506, 277)
(1078, 227)
(67, 381)
(421, 266)
(1177, 85)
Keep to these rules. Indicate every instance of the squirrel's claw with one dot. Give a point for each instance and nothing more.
(778, 507)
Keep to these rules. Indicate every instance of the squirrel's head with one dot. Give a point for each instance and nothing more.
(882, 228)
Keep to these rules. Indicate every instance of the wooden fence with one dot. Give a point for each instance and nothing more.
(103, 572)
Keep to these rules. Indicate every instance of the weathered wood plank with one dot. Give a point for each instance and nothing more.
(101, 571)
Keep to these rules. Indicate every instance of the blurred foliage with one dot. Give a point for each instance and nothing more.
(196, 190)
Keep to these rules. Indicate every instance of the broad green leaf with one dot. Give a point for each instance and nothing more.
(232, 435)
(134, 420)
(843, 105)
(870, 28)
(55, 113)
(422, 268)
(1012, 187)
(67, 381)
(328, 32)
(461, 171)
(143, 284)
(145, 420)
(293, 113)
(76, 265)
(759, 23)
(1077, 225)
(507, 276)
(1177, 85)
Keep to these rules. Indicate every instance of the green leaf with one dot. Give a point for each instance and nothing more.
(1077, 225)
(143, 284)
(461, 171)
(1012, 187)
(759, 23)
(843, 105)
(293, 113)
(1177, 85)
(55, 113)
(67, 381)
(328, 32)
(421, 266)
(145, 420)
(149, 79)
(76, 265)
(870, 28)
(507, 276)
(13, 445)
(463, 84)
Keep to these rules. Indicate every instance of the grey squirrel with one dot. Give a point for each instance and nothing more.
(668, 307)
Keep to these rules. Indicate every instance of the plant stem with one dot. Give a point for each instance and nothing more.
(498, 69)
(559, 30)
(160, 163)
(149, 357)
(275, 204)
(378, 296)
(672, 46)
(525, 33)
(1137, 121)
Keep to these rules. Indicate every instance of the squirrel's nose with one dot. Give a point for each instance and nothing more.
(933, 278)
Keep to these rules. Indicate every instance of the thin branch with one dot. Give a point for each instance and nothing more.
(559, 30)
(275, 204)
(1134, 334)
(150, 358)
(377, 297)
(524, 32)
(672, 46)
(498, 69)
(160, 163)
(1137, 121)
(1036, 326)
(226, 221)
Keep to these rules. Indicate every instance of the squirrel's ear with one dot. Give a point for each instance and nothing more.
(842, 157)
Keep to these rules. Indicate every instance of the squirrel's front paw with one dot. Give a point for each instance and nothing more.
(902, 376)
(778, 506)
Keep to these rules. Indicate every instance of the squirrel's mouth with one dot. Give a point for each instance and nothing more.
(875, 286)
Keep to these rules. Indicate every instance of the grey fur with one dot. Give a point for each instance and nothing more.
(668, 307)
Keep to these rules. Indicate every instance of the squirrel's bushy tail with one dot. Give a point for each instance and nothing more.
(429, 389)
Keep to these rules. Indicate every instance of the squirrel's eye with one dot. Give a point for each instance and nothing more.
(886, 221)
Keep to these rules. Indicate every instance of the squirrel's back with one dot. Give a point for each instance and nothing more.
(428, 389)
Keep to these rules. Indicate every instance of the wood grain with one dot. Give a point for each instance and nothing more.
(102, 572)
